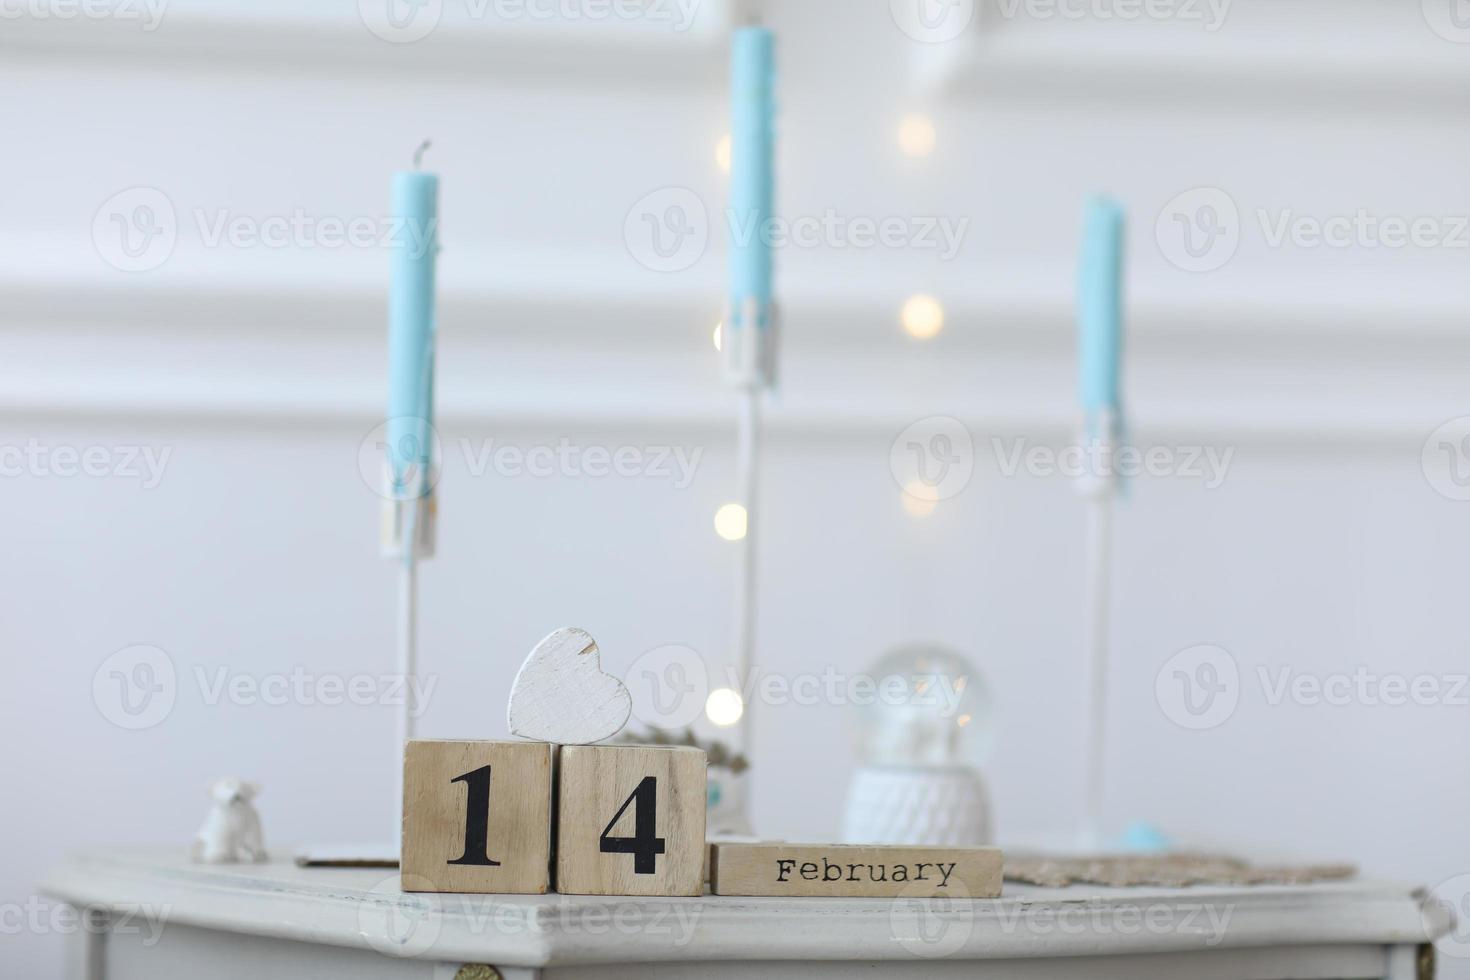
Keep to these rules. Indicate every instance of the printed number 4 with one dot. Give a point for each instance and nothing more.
(477, 819)
(645, 845)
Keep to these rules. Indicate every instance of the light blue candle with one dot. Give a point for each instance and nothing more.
(752, 167)
(1100, 311)
(411, 329)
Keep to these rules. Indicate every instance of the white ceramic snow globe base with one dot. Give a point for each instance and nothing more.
(928, 724)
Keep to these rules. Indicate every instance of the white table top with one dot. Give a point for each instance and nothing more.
(364, 908)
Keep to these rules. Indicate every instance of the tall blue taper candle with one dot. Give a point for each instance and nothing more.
(752, 170)
(411, 330)
(1100, 315)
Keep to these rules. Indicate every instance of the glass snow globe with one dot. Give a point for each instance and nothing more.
(921, 735)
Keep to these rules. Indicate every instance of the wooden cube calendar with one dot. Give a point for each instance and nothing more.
(477, 817)
(630, 820)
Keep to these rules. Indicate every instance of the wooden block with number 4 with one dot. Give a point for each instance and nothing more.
(477, 817)
(630, 820)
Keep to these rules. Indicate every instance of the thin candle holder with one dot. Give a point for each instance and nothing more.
(1099, 491)
(414, 532)
(749, 345)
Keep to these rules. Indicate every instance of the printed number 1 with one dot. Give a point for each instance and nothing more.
(477, 819)
(645, 845)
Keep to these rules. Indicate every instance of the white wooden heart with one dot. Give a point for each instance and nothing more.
(561, 695)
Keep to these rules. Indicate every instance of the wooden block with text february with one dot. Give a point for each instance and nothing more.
(630, 820)
(855, 870)
(477, 817)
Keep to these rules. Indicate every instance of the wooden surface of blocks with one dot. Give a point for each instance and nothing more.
(855, 870)
(477, 817)
(630, 820)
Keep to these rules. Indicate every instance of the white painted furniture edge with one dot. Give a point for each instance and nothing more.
(340, 907)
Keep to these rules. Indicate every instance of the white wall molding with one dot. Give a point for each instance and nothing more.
(343, 46)
(1348, 57)
(267, 357)
(511, 303)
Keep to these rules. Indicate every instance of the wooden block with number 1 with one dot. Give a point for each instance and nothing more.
(477, 817)
(630, 820)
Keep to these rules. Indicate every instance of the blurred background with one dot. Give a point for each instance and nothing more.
(193, 356)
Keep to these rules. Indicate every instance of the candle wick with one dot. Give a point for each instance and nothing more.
(418, 155)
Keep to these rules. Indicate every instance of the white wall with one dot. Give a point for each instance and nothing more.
(260, 371)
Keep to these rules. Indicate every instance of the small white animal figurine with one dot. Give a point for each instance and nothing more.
(561, 694)
(230, 833)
